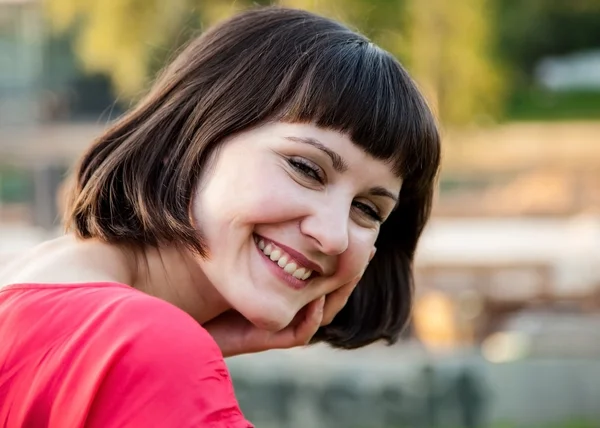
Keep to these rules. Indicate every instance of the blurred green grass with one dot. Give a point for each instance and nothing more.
(567, 424)
(571, 424)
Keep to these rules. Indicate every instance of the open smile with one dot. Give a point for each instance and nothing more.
(284, 265)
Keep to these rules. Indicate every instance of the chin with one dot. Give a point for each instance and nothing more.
(268, 317)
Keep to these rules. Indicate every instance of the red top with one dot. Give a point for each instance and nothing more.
(106, 355)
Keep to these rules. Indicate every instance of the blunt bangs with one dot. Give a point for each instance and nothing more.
(360, 90)
(301, 68)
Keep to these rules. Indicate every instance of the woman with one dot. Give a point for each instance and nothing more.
(280, 166)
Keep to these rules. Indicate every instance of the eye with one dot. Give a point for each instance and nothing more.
(368, 211)
(307, 168)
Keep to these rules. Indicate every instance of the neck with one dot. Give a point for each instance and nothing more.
(169, 273)
(172, 274)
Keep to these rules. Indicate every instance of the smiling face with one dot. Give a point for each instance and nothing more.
(289, 213)
(146, 182)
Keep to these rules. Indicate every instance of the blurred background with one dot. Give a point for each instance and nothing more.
(506, 327)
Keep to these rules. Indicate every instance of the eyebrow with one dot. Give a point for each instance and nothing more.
(382, 191)
(339, 164)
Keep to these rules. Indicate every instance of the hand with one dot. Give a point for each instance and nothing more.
(235, 335)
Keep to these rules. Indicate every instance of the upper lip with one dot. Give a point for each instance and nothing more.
(299, 257)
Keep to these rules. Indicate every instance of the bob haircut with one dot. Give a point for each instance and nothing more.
(135, 184)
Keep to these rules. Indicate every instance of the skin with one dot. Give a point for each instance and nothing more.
(279, 182)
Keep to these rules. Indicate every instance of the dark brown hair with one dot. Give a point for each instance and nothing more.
(135, 184)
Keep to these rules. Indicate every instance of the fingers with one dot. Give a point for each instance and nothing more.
(307, 328)
(336, 301)
(229, 331)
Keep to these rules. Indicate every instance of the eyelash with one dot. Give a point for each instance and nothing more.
(310, 171)
(307, 169)
(369, 211)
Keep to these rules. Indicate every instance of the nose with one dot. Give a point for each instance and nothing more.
(329, 228)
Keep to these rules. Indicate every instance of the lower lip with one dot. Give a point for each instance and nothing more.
(295, 283)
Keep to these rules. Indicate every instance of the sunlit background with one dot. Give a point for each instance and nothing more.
(506, 328)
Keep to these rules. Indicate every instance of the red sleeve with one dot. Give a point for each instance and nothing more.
(166, 371)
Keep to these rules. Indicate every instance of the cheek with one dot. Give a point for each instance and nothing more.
(260, 196)
(356, 258)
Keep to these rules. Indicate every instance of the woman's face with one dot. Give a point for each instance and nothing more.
(290, 212)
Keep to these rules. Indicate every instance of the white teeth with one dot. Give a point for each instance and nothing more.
(275, 255)
(290, 267)
(299, 273)
(281, 258)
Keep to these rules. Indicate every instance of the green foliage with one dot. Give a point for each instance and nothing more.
(451, 52)
(530, 30)
(445, 44)
(472, 58)
(542, 105)
(118, 37)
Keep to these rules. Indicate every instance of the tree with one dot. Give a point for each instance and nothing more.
(451, 51)
(445, 44)
(128, 39)
(530, 30)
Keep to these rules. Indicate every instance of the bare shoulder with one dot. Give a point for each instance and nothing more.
(18, 264)
(59, 260)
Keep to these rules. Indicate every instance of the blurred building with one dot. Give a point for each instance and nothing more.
(20, 62)
(49, 112)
